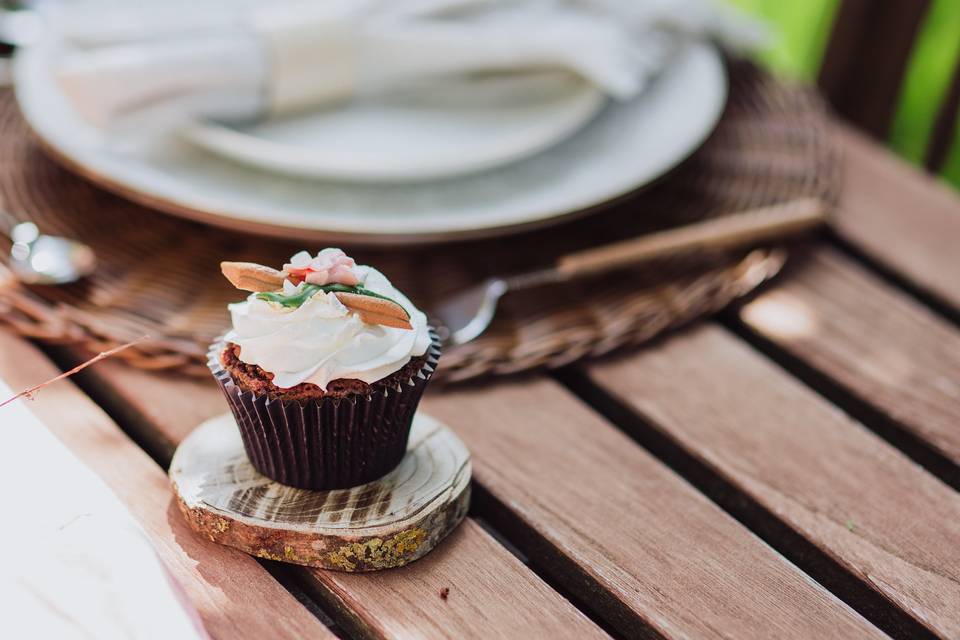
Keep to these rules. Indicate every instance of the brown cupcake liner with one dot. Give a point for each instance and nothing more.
(327, 443)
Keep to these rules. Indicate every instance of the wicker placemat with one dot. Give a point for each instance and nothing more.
(159, 275)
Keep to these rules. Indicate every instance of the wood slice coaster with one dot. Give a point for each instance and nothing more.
(382, 524)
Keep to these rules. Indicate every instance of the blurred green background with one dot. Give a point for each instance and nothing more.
(802, 28)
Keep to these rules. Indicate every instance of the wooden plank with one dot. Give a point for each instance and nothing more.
(900, 217)
(875, 342)
(235, 596)
(866, 506)
(865, 59)
(488, 595)
(671, 564)
(492, 594)
(624, 532)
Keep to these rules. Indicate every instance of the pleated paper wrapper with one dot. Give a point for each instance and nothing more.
(326, 443)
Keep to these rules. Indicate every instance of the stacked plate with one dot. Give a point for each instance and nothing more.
(428, 166)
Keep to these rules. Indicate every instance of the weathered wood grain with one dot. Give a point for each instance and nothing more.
(645, 549)
(488, 595)
(900, 217)
(877, 343)
(885, 520)
(648, 551)
(230, 589)
(492, 595)
(383, 524)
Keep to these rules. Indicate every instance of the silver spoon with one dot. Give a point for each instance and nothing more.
(36, 258)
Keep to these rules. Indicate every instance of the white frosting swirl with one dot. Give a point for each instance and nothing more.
(322, 340)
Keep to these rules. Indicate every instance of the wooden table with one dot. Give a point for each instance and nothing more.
(789, 469)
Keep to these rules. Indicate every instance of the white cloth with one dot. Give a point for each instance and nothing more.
(76, 564)
(288, 56)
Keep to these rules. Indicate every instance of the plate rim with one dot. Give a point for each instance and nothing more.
(587, 102)
(288, 229)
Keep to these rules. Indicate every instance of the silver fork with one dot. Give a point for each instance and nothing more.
(465, 316)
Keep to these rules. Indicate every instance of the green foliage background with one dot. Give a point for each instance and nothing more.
(801, 29)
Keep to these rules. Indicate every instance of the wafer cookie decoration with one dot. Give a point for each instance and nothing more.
(331, 271)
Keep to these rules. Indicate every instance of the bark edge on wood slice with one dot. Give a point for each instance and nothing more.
(386, 523)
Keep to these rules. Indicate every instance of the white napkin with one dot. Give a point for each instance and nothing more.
(76, 564)
(287, 56)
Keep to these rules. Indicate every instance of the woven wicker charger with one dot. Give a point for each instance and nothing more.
(159, 275)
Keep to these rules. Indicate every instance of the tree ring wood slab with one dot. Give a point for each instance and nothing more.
(382, 524)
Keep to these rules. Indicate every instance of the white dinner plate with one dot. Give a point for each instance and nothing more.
(626, 146)
(445, 130)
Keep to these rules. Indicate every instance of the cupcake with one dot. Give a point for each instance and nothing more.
(323, 369)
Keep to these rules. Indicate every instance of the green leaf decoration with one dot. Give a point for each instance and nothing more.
(293, 301)
(296, 300)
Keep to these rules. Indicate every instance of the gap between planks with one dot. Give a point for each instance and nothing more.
(740, 588)
(227, 587)
(739, 428)
(869, 348)
(759, 519)
(617, 527)
(492, 594)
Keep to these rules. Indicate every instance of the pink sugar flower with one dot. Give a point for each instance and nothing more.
(330, 266)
